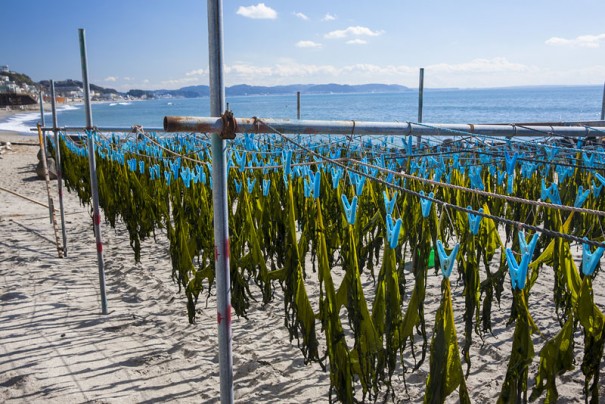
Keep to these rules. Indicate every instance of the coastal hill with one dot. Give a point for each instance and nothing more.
(245, 89)
(73, 89)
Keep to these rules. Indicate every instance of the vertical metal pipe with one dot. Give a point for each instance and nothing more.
(219, 198)
(41, 100)
(53, 106)
(298, 105)
(603, 106)
(420, 99)
(93, 170)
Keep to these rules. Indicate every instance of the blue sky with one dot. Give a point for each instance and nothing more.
(152, 44)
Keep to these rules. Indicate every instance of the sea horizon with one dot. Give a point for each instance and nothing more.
(552, 103)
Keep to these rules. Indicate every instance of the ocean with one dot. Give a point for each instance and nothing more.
(496, 105)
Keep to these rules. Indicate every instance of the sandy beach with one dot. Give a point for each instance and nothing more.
(57, 347)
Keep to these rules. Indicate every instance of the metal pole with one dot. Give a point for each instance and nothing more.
(420, 99)
(603, 106)
(58, 163)
(316, 127)
(219, 198)
(298, 105)
(41, 101)
(93, 170)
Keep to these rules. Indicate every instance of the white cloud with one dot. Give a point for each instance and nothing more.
(197, 72)
(112, 79)
(301, 16)
(582, 41)
(352, 31)
(259, 11)
(328, 17)
(307, 44)
(357, 41)
(498, 64)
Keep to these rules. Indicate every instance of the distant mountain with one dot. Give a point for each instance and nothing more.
(71, 85)
(245, 89)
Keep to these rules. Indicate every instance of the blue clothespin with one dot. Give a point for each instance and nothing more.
(600, 178)
(132, 164)
(141, 167)
(581, 197)
(307, 187)
(425, 204)
(524, 246)
(168, 176)
(474, 221)
(186, 176)
(350, 208)
(446, 261)
(393, 230)
(238, 186)
(588, 160)
(266, 186)
(475, 176)
(501, 175)
(590, 259)
(287, 161)
(389, 204)
(596, 190)
(317, 185)
(251, 185)
(361, 181)
(337, 174)
(509, 185)
(510, 161)
(517, 271)
(437, 174)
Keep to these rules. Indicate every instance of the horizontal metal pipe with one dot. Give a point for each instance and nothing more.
(98, 129)
(215, 125)
(315, 127)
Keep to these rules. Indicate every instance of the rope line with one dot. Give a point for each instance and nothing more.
(446, 205)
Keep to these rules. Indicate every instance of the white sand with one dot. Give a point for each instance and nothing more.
(56, 346)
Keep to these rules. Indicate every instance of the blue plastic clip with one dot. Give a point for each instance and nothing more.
(510, 161)
(509, 184)
(132, 164)
(500, 177)
(317, 185)
(581, 197)
(446, 261)
(600, 178)
(287, 161)
(475, 176)
(596, 190)
(168, 176)
(337, 174)
(251, 185)
(186, 176)
(389, 204)
(474, 221)
(425, 204)
(588, 160)
(266, 186)
(307, 184)
(517, 271)
(590, 259)
(361, 181)
(524, 246)
(238, 186)
(393, 230)
(141, 167)
(437, 174)
(350, 208)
